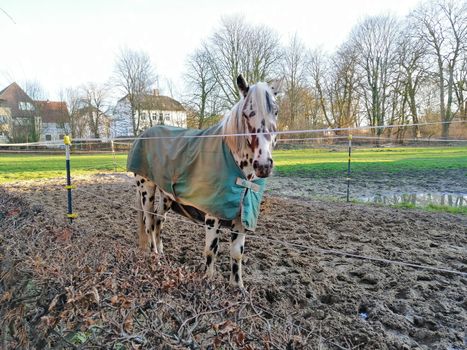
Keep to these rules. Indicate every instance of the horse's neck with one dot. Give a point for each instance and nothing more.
(245, 162)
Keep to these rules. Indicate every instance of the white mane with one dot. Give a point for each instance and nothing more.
(235, 123)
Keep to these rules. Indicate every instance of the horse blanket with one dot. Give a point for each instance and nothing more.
(199, 172)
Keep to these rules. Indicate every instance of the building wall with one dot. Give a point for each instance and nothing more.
(5, 124)
(173, 118)
(53, 131)
(121, 125)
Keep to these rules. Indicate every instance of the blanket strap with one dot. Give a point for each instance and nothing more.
(248, 184)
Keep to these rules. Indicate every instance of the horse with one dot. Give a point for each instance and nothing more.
(215, 175)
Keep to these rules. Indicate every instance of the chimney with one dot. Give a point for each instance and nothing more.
(155, 92)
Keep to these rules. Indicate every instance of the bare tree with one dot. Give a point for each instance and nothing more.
(460, 88)
(293, 69)
(317, 69)
(237, 47)
(134, 76)
(374, 41)
(34, 90)
(32, 124)
(412, 73)
(442, 26)
(341, 88)
(94, 98)
(77, 121)
(202, 87)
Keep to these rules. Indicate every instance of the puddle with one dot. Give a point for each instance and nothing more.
(457, 200)
(363, 315)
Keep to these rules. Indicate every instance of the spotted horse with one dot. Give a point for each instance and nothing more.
(216, 175)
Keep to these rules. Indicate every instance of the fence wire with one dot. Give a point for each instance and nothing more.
(299, 247)
(277, 133)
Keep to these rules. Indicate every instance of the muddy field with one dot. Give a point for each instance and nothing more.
(86, 286)
(370, 184)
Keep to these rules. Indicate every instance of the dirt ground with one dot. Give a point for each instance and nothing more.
(87, 286)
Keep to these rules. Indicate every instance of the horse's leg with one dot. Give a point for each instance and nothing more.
(143, 237)
(146, 190)
(237, 245)
(212, 243)
(161, 210)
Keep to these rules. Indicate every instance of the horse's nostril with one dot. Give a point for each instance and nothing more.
(255, 164)
(271, 162)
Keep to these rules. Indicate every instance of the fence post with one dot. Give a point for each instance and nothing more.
(348, 168)
(113, 154)
(69, 187)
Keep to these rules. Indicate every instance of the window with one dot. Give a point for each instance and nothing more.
(167, 117)
(154, 115)
(25, 106)
(48, 137)
(61, 136)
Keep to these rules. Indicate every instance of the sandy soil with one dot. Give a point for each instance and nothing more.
(298, 298)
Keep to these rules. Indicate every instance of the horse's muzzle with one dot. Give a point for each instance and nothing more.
(263, 170)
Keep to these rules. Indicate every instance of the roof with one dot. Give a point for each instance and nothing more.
(159, 103)
(11, 96)
(52, 111)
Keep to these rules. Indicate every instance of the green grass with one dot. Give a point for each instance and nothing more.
(433, 207)
(429, 207)
(302, 162)
(18, 167)
(446, 209)
(325, 162)
(319, 162)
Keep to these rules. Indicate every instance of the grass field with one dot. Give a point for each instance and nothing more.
(18, 167)
(324, 162)
(319, 162)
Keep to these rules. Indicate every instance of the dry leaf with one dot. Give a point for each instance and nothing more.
(54, 302)
(6, 296)
(114, 300)
(128, 324)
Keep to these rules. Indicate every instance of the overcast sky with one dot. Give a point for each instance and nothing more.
(65, 43)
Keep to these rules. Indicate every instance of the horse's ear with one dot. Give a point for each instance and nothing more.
(276, 86)
(242, 85)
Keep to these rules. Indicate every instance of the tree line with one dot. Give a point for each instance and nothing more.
(388, 71)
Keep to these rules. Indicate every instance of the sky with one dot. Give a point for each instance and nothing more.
(66, 43)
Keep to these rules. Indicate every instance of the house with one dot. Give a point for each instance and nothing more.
(19, 119)
(5, 123)
(153, 109)
(24, 120)
(55, 120)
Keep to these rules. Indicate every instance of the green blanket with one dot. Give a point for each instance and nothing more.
(198, 172)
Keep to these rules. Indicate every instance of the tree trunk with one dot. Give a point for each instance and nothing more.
(445, 130)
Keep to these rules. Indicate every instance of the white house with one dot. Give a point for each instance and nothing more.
(55, 120)
(154, 109)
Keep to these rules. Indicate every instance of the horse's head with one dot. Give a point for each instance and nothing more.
(259, 111)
